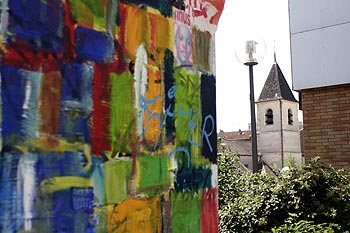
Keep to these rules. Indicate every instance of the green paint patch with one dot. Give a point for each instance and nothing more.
(188, 118)
(122, 113)
(117, 180)
(101, 213)
(153, 176)
(186, 208)
(91, 14)
(201, 49)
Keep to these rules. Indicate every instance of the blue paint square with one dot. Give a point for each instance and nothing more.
(12, 96)
(37, 22)
(77, 83)
(66, 219)
(83, 199)
(9, 194)
(76, 101)
(94, 46)
(53, 164)
(20, 95)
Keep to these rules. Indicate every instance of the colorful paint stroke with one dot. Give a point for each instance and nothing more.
(108, 117)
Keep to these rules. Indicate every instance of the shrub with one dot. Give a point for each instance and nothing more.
(312, 198)
(303, 226)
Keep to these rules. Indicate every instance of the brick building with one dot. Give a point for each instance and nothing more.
(321, 74)
(326, 113)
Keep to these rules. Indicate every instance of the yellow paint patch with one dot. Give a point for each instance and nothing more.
(152, 117)
(47, 144)
(137, 31)
(64, 182)
(137, 216)
(160, 36)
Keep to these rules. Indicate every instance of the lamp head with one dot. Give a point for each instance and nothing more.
(250, 51)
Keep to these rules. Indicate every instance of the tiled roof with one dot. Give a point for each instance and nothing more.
(239, 142)
(276, 86)
(238, 135)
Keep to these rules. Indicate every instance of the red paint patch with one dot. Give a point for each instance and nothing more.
(68, 34)
(24, 56)
(122, 12)
(219, 5)
(209, 211)
(101, 109)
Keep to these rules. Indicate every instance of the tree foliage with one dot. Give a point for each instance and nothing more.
(312, 198)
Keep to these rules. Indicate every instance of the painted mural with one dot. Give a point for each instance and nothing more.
(108, 116)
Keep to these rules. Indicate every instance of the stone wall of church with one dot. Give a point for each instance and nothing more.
(276, 152)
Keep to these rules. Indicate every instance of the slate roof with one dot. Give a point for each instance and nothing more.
(276, 86)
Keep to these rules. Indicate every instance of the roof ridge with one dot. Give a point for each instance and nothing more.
(276, 86)
(278, 80)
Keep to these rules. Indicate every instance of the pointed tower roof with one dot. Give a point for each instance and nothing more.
(276, 86)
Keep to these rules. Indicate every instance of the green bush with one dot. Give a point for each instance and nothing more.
(312, 198)
(306, 227)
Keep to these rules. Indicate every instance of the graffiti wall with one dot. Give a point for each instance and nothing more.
(108, 116)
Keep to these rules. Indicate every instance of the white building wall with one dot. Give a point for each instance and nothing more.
(320, 48)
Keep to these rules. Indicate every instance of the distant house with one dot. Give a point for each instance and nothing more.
(278, 128)
(241, 144)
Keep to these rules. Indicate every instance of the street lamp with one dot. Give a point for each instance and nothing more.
(254, 51)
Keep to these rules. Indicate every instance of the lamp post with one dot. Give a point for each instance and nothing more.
(251, 61)
(251, 56)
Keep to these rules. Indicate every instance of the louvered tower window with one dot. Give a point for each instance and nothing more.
(290, 117)
(269, 117)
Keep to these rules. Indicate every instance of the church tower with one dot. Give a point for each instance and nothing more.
(277, 122)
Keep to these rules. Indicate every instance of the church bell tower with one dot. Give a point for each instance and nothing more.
(277, 122)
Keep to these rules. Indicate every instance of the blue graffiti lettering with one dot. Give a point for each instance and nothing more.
(171, 92)
(144, 105)
(181, 114)
(207, 134)
(191, 127)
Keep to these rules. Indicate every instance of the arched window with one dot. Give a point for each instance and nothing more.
(290, 117)
(269, 117)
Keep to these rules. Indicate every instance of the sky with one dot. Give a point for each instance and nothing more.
(267, 19)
